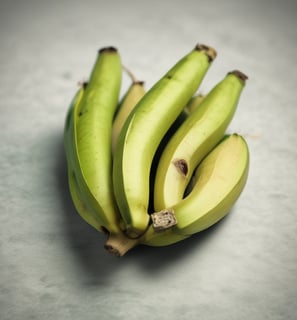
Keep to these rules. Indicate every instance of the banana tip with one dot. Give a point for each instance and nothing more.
(209, 51)
(109, 49)
(240, 75)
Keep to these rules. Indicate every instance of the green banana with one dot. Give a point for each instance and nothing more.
(220, 179)
(144, 130)
(88, 150)
(79, 201)
(135, 92)
(93, 135)
(199, 133)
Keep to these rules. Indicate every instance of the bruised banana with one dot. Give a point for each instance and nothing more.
(144, 130)
(220, 179)
(88, 130)
(135, 92)
(200, 132)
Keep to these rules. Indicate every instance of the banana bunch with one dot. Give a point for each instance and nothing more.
(155, 166)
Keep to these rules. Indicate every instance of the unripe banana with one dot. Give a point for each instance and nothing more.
(197, 136)
(78, 189)
(135, 92)
(88, 150)
(144, 130)
(93, 135)
(220, 179)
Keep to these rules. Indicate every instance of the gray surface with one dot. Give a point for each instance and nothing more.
(53, 265)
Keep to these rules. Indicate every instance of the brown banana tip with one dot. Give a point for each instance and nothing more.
(210, 52)
(83, 84)
(240, 75)
(112, 250)
(138, 82)
(109, 49)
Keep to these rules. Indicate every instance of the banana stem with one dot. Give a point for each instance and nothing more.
(132, 76)
(119, 244)
(163, 219)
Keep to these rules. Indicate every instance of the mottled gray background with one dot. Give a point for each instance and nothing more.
(52, 264)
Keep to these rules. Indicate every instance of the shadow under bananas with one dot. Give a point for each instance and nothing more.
(84, 241)
(155, 259)
(87, 243)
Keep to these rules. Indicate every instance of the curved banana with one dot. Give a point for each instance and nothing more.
(135, 92)
(197, 136)
(88, 150)
(145, 128)
(93, 135)
(220, 179)
(79, 201)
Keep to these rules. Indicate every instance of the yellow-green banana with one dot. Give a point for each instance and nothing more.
(88, 139)
(220, 179)
(144, 130)
(200, 132)
(93, 134)
(135, 92)
(80, 202)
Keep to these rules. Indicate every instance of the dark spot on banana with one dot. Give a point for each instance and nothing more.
(82, 112)
(182, 166)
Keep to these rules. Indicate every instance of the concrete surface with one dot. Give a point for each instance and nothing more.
(53, 265)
